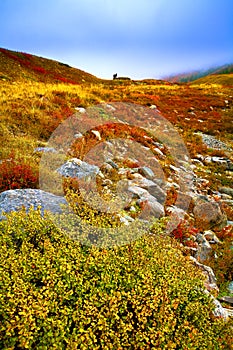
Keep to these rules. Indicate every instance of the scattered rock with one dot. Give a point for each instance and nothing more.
(212, 142)
(97, 134)
(146, 172)
(180, 213)
(219, 310)
(197, 161)
(78, 135)
(150, 186)
(150, 207)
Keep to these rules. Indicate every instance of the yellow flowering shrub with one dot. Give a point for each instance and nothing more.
(59, 294)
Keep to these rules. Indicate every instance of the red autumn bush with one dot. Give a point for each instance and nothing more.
(16, 174)
(184, 233)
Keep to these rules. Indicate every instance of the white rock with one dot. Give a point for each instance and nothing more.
(80, 109)
(96, 133)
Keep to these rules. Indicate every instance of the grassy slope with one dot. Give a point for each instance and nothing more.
(34, 102)
(193, 76)
(22, 66)
(222, 79)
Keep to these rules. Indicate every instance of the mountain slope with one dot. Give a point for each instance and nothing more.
(194, 75)
(24, 66)
(222, 79)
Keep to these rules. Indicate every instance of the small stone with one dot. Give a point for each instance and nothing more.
(78, 135)
(112, 163)
(150, 207)
(197, 161)
(172, 167)
(227, 299)
(211, 237)
(45, 149)
(80, 109)
(107, 182)
(146, 172)
(97, 134)
(226, 190)
(203, 251)
(230, 287)
(159, 152)
(151, 187)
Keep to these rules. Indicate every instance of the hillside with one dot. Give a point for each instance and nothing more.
(194, 75)
(15, 66)
(74, 276)
(222, 79)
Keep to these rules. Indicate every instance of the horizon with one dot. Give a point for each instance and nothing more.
(140, 39)
(162, 78)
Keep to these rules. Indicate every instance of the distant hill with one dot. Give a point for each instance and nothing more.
(194, 75)
(222, 79)
(23, 66)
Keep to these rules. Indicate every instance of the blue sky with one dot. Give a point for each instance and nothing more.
(135, 38)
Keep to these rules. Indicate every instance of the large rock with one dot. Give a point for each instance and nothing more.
(208, 215)
(76, 168)
(14, 200)
(150, 207)
(148, 203)
(155, 190)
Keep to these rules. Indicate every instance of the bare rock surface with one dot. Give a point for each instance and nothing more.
(14, 200)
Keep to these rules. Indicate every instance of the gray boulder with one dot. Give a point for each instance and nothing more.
(150, 207)
(76, 168)
(155, 190)
(14, 200)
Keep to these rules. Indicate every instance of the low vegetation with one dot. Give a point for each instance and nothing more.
(58, 294)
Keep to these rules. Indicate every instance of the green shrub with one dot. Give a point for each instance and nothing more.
(57, 294)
